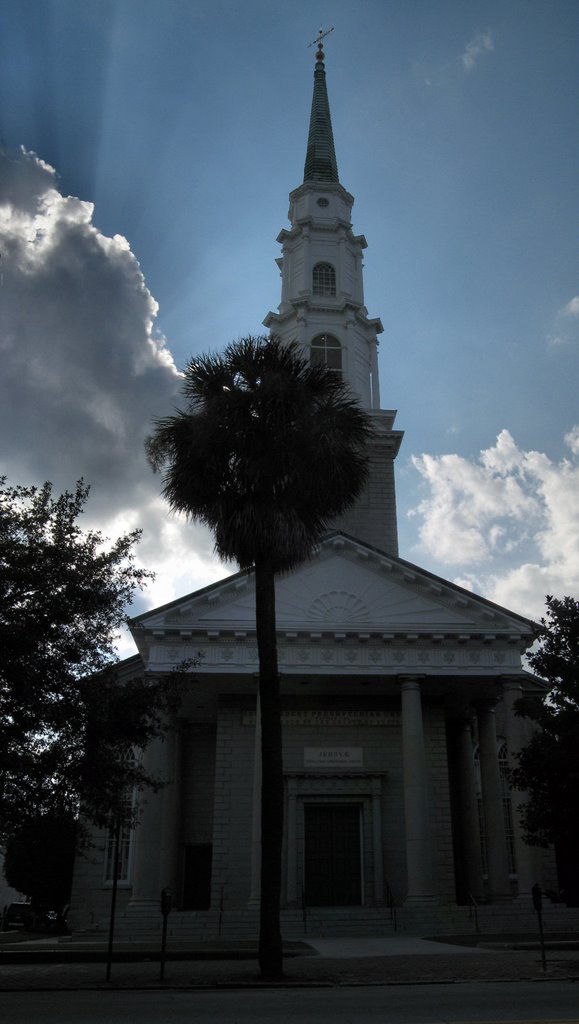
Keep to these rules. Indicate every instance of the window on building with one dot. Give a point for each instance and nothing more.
(324, 279)
(326, 350)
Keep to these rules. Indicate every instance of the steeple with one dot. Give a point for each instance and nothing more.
(322, 309)
(320, 165)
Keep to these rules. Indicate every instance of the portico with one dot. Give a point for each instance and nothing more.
(371, 705)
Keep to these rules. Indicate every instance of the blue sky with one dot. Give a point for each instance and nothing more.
(167, 135)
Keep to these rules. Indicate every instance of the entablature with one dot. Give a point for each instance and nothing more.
(340, 653)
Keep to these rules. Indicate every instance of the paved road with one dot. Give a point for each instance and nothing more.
(523, 1002)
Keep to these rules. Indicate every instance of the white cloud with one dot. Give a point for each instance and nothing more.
(84, 371)
(572, 440)
(561, 329)
(572, 307)
(512, 515)
(482, 42)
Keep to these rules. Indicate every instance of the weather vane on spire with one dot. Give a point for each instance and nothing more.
(321, 35)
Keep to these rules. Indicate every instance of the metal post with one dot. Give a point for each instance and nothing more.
(538, 905)
(116, 848)
(166, 902)
(220, 913)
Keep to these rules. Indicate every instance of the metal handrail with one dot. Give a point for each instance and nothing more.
(220, 919)
(391, 906)
(473, 912)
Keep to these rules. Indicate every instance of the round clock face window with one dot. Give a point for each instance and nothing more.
(322, 201)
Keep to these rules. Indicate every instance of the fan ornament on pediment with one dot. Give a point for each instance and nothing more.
(339, 607)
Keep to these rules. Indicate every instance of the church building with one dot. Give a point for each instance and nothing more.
(398, 688)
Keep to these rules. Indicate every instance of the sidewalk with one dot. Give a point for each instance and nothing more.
(399, 960)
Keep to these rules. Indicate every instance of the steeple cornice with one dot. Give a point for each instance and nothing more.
(324, 188)
(337, 226)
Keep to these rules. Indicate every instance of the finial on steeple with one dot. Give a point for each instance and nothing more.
(320, 163)
(318, 41)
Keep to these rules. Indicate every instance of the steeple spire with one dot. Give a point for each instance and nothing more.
(320, 162)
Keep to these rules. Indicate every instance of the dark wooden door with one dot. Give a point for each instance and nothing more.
(332, 855)
(197, 877)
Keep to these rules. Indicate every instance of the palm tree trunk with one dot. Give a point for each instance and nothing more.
(270, 944)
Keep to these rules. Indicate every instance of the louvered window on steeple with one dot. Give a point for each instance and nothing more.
(326, 349)
(324, 279)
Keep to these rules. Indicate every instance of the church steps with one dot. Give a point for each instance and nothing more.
(141, 925)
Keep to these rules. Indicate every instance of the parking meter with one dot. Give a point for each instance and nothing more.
(538, 905)
(166, 903)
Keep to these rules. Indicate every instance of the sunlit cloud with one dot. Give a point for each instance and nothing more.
(508, 521)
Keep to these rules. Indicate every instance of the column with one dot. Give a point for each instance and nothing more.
(150, 837)
(498, 866)
(170, 811)
(468, 804)
(301, 330)
(292, 867)
(526, 856)
(377, 841)
(307, 266)
(374, 375)
(255, 890)
(340, 264)
(416, 806)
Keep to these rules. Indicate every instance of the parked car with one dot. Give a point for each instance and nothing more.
(17, 915)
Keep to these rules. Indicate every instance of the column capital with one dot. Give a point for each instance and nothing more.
(410, 682)
(510, 683)
(486, 705)
(464, 722)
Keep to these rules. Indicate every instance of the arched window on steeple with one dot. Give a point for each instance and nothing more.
(326, 349)
(324, 279)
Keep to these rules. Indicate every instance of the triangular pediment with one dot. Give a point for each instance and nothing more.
(347, 587)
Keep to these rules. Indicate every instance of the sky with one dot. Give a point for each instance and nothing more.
(147, 149)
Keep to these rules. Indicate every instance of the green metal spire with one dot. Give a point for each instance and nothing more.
(320, 162)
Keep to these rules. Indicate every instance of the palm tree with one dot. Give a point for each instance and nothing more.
(268, 450)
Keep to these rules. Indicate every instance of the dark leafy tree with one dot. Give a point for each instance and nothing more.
(267, 451)
(548, 767)
(39, 862)
(69, 717)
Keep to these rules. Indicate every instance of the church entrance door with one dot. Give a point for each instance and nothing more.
(333, 868)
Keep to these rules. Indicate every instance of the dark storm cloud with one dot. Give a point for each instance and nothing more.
(83, 370)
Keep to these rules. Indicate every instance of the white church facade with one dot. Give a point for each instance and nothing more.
(398, 687)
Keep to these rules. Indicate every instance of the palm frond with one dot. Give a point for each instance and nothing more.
(267, 451)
